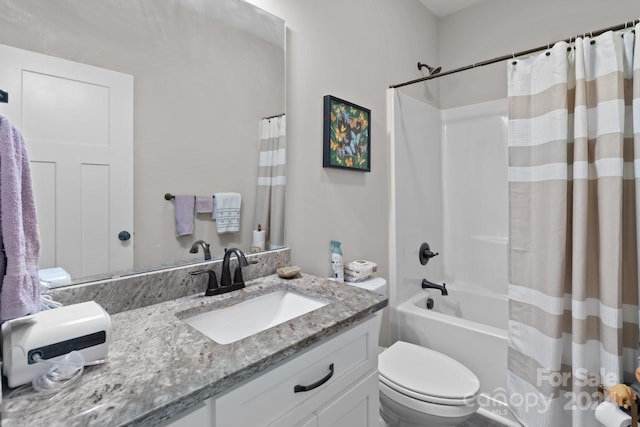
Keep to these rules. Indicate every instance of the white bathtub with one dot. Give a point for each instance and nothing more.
(470, 326)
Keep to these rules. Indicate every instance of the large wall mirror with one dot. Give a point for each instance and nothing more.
(202, 74)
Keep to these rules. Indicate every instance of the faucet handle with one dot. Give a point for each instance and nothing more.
(212, 284)
(237, 276)
(426, 254)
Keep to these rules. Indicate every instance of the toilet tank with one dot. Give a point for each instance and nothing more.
(375, 284)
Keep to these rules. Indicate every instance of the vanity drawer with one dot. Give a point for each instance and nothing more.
(260, 401)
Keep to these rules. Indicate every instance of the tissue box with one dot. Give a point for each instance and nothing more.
(359, 269)
(54, 277)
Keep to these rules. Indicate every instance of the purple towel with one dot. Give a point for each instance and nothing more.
(204, 204)
(185, 213)
(20, 294)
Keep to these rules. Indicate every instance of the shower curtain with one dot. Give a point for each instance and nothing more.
(272, 179)
(574, 165)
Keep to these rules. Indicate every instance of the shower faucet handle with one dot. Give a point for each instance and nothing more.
(426, 254)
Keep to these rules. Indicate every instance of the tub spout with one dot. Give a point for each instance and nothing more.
(430, 285)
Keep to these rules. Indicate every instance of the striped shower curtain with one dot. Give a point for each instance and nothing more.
(272, 180)
(574, 130)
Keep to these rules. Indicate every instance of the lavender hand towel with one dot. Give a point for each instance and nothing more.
(204, 204)
(185, 213)
(20, 292)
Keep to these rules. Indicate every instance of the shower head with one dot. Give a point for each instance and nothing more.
(432, 70)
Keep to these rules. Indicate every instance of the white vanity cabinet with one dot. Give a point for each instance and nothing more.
(337, 383)
(357, 407)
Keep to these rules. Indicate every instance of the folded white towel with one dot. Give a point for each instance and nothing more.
(226, 212)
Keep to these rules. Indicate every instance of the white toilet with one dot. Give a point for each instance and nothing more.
(419, 386)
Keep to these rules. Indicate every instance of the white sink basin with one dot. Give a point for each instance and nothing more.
(230, 324)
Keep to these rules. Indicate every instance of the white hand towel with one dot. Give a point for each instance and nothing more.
(226, 212)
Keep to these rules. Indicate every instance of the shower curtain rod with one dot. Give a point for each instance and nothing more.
(629, 24)
(273, 117)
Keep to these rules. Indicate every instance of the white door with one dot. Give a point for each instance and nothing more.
(77, 122)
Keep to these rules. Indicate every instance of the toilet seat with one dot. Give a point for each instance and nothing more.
(396, 401)
(427, 375)
(471, 400)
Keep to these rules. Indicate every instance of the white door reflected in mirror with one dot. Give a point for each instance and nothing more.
(77, 122)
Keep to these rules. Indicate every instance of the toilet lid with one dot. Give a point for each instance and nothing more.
(426, 372)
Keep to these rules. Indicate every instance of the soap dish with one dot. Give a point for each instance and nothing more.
(288, 272)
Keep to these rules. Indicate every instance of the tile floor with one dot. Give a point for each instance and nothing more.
(477, 420)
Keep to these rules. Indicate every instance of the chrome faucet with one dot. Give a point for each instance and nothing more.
(225, 279)
(430, 285)
(205, 248)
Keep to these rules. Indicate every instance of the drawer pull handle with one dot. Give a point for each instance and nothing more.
(317, 384)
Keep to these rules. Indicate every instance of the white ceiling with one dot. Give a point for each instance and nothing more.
(442, 8)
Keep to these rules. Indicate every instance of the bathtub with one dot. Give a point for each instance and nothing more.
(469, 325)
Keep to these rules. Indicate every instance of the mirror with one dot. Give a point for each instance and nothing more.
(204, 75)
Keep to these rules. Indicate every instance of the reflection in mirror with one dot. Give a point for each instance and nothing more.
(186, 82)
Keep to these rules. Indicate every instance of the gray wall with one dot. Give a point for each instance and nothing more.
(498, 27)
(324, 204)
(353, 50)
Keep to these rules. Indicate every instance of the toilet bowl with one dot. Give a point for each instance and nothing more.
(421, 387)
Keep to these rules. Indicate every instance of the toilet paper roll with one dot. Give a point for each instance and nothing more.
(259, 239)
(611, 416)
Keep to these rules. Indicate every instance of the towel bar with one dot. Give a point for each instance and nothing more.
(169, 196)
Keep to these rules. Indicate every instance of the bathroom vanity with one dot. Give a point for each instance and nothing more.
(348, 397)
(162, 371)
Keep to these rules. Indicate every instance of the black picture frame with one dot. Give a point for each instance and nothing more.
(346, 135)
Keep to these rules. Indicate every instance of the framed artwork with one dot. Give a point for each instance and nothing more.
(347, 135)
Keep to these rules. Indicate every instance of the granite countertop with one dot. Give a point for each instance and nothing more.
(158, 365)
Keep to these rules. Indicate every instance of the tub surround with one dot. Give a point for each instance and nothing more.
(134, 291)
(158, 365)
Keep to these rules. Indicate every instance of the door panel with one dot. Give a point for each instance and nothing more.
(77, 122)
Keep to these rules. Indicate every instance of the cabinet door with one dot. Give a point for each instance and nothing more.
(357, 407)
(329, 367)
(199, 415)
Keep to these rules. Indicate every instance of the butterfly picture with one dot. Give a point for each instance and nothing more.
(347, 137)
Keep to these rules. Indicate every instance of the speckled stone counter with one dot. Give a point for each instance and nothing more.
(121, 293)
(158, 365)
